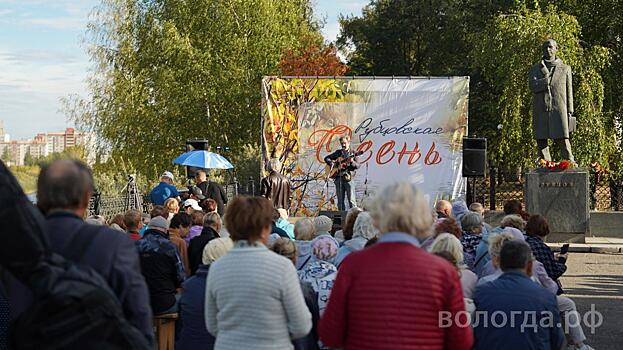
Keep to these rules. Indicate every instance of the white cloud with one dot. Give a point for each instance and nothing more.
(57, 22)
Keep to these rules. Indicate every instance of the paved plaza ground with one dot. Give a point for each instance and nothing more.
(597, 279)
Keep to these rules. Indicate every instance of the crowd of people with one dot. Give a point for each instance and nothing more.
(243, 275)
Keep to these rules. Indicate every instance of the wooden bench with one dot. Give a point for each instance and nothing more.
(164, 326)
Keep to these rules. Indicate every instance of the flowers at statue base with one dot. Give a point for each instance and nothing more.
(549, 165)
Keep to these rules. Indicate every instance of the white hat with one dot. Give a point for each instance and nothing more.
(168, 174)
(192, 203)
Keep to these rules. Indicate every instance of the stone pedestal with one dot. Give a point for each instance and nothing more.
(562, 198)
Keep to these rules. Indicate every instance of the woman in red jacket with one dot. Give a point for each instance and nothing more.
(395, 295)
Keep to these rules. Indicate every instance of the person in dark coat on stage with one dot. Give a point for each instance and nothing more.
(212, 190)
(276, 187)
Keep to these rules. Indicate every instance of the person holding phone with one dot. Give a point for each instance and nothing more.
(536, 229)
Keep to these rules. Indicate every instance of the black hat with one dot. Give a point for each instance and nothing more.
(196, 191)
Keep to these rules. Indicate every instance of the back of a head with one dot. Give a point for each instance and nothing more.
(324, 248)
(515, 255)
(285, 247)
(513, 206)
(459, 208)
(401, 207)
(64, 185)
(448, 225)
(443, 205)
(447, 242)
(197, 218)
(215, 249)
(476, 208)
(364, 226)
(349, 223)
(322, 224)
(209, 205)
(496, 242)
(159, 210)
(513, 220)
(132, 219)
(172, 205)
(537, 226)
(471, 221)
(246, 217)
(212, 219)
(117, 219)
(180, 220)
(304, 230)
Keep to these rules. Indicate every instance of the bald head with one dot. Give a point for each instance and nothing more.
(64, 185)
(444, 207)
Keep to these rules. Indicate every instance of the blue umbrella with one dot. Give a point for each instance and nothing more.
(203, 159)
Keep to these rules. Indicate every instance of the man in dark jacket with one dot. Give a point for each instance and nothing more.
(519, 314)
(161, 265)
(63, 191)
(344, 162)
(211, 227)
(276, 187)
(211, 190)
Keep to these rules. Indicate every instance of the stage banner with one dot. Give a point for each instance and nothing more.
(406, 128)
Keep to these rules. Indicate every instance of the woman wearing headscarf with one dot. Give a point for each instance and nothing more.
(363, 230)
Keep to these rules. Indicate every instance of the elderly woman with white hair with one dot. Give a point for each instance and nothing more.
(396, 283)
(304, 231)
(363, 231)
(448, 243)
(471, 225)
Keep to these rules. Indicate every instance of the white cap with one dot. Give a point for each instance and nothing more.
(168, 174)
(192, 203)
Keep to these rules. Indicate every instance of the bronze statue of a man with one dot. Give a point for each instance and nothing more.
(552, 103)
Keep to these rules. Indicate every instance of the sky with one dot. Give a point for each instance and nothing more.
(43, 58)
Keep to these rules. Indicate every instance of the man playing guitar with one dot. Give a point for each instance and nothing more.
(344, 163)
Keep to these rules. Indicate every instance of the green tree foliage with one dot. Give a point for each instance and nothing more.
(171, 70)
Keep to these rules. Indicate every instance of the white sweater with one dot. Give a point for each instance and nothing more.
(254, 301)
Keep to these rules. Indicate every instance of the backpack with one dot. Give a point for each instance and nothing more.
(73, 306)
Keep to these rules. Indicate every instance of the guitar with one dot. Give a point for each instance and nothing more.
(340, 165)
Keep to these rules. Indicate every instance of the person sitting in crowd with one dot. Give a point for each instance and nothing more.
(193, 332)
(516, 296)
(346, 232)
(482, 257)
(397, 284)
(211, 227)
(253, 297)
(446, 242)
(471, 224)
(161, 265)
(178, 230)
(211, 190)
(320, 272)
(209, 205)
(322, 225)
(536, 229)
(443, 208)
(64, 188)
(478, 208)
(515, 207)
(276, 229)
(363, 230)
(117, 223)
(447, 225)
(283, 223)
(191, 206)
(287, 248)
(304, 232)
(133, 223)
(164, 190)
(197, 225)
(172, 206)
(459, 208)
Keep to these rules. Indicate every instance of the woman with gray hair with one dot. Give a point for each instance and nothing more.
(471, 224)
(363, 230)
(397, 283)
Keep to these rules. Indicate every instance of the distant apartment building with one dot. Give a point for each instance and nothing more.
(45, 144)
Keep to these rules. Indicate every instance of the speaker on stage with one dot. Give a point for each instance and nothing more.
(195, 145)
(474, 157)
(338, 218)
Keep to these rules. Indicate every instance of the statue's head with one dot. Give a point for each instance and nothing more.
(550, 47)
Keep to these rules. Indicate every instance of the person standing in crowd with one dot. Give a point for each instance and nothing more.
(191, 206)
(397, 284)
(536, 229)
(516, 296)
(471, 224)
(253, 298)
(197, 226)
(133, 223)
(211, 227)
(276, 187)
(194, 334)
(443, 208)
(287, 248)
(172, 206)
(212, 190)
(304, 232)
(178, 230)
(448, 243)
(362, 231)
(64, 188)
(161, 265)
(164, 190)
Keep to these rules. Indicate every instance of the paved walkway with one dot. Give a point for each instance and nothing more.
(597, 279)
